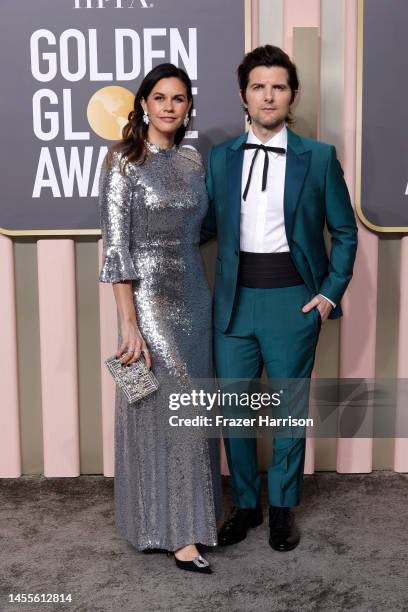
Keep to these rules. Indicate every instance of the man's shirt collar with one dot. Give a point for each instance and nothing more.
(278, 140)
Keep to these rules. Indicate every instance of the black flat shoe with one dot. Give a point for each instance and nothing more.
(198, 564)
(283, 532)
(236, 527)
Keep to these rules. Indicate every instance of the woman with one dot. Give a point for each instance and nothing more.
(152, 202)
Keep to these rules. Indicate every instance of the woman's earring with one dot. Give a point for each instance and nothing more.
(186, 121)
(146, 118)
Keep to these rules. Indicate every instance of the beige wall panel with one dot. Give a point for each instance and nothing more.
(325, 454)
(387, 330)
(383, 454)
(330, 130)
(28, 349)
(86, 263)
(306, 47)
(388, 305)
(271, 22)
(400, 454)
(306, 52)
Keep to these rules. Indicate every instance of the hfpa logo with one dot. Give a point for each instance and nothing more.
(79, 4)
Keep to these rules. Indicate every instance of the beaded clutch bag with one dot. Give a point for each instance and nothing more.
(135, 380)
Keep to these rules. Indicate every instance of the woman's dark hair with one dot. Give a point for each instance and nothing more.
(267, 56)
(132, 146)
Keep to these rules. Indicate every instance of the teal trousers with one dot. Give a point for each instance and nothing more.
(268, 328)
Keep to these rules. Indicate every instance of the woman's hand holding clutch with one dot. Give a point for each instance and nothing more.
(133, 345)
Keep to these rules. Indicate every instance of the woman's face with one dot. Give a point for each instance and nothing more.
(167, 105)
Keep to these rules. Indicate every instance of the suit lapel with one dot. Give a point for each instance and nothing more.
(297, 165)
(235, 160)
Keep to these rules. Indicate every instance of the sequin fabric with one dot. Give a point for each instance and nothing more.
(167, 480)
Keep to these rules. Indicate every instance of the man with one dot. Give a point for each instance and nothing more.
(271, 194)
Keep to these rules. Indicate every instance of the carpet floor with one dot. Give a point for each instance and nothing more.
(57, 535)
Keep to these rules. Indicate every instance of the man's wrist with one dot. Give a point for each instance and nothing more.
(328, 300)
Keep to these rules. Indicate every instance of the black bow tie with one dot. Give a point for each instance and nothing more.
(265, 149)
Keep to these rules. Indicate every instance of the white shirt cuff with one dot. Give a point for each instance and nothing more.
(326, 298)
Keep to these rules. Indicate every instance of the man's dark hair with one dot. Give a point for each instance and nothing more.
(267, 56)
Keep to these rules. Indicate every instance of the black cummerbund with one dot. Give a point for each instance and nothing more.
(267, 270)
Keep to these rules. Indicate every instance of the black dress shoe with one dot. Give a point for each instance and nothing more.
(235, 528)
(198, 564)
(284, 534)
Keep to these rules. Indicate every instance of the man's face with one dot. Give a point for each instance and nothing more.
(268, 96)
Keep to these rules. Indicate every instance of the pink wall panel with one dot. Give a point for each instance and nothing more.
(358, 326)
(254, 23)
(59, 375)
(109, 338)
(299, 14)
(10, 451)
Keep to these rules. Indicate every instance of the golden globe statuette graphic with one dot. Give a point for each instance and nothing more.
(108, 111)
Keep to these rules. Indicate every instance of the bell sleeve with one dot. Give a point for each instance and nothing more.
(115, 197)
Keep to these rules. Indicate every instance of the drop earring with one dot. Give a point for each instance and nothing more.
(146, 118)
(186, 121)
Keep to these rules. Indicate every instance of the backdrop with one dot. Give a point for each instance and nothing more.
(58, 323)
(71, 75)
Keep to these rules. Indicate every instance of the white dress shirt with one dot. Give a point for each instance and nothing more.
(262, 216)
(262, 213)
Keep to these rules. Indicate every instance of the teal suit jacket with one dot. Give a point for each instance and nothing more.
(315, 194)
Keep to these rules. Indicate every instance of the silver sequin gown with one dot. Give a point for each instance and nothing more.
(167, 480)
